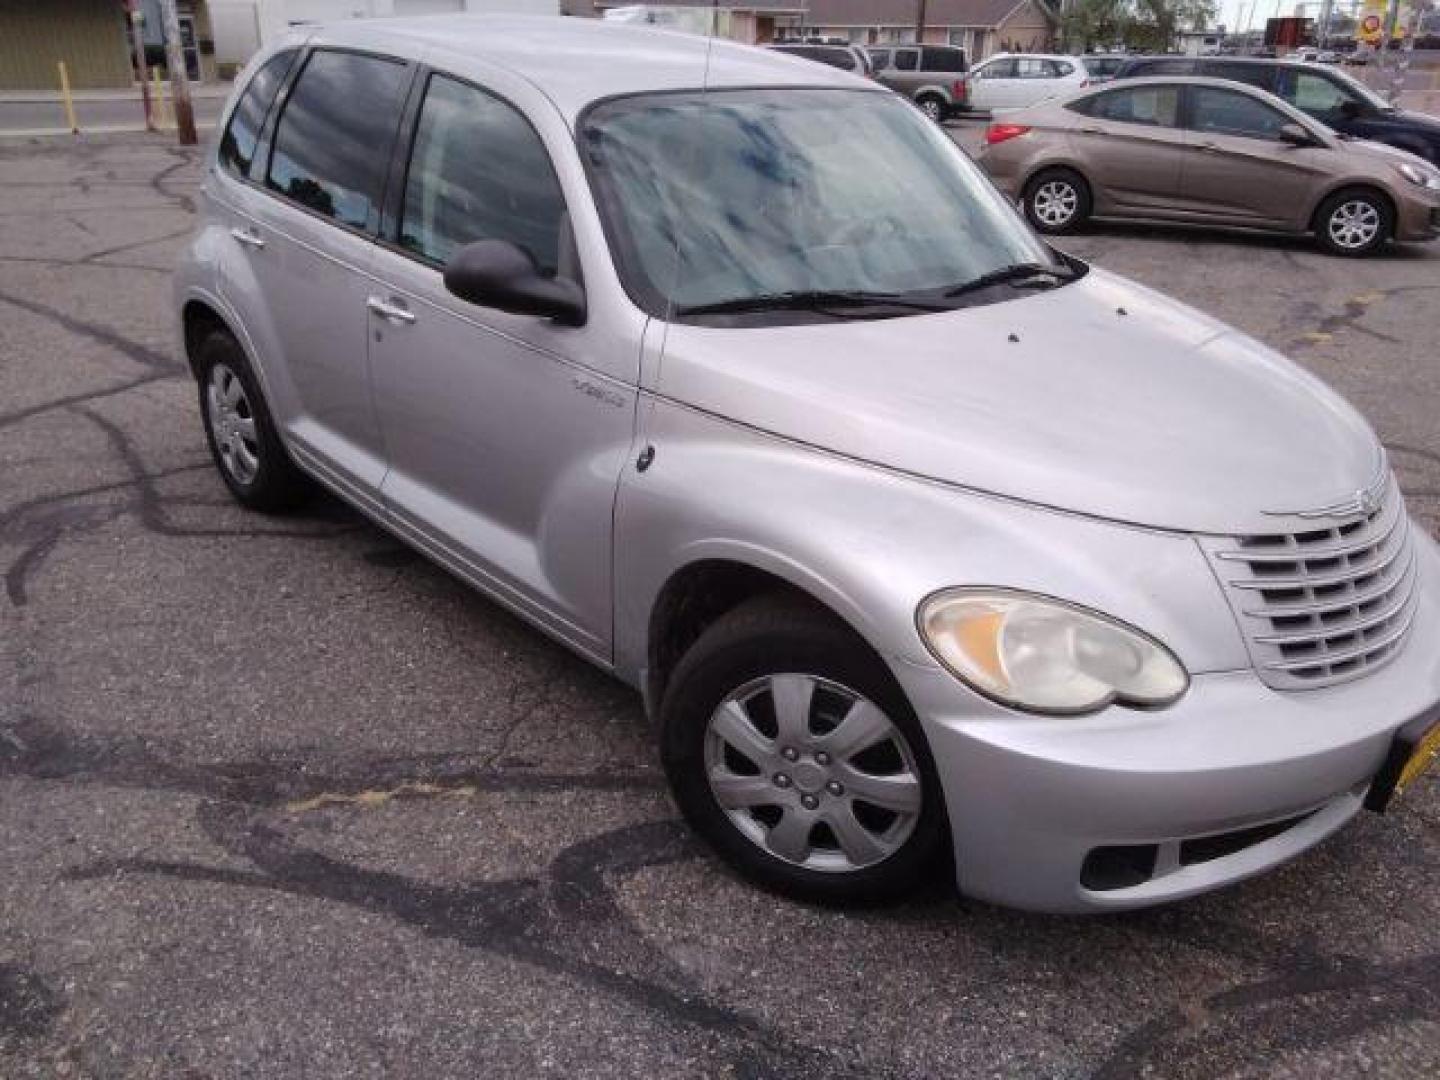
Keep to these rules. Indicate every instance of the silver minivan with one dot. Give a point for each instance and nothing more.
(927, 546)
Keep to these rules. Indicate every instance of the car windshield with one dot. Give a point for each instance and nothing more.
(787, 197)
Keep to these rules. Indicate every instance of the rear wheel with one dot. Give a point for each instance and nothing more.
(932, 106)
(1056, 200)
(1356, 222)
(246, 447)
(790, 748)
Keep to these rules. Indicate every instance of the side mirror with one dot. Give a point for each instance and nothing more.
(1350, 110)
(502, 275)
(1295, 135)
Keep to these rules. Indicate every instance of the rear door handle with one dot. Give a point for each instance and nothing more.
(1210, 147)
(248, 237)
(390, 310)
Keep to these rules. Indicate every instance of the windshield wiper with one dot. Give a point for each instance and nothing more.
(1020, 275)
(812, 300)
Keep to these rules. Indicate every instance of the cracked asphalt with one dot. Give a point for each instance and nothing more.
(280, 799)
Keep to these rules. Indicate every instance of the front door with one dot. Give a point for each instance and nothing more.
(506, 433)
(1130, 144)
(1237, 167)
(993, 85)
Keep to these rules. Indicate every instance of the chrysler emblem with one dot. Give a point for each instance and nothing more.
(1367, 501)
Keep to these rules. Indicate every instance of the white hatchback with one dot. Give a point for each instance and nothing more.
(1017, 82)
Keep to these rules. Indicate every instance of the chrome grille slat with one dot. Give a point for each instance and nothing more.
(1323, 604)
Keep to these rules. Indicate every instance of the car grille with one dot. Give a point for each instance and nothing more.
(1324, 605)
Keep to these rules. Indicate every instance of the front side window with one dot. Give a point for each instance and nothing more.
(725, 197)
(1224, 112)
(237, 146)
(1318, 95)
(1158, 106)
(880, 58)
(478, 171)
(1162, 67)
(997, 69)
(333, 140)
(937, 59)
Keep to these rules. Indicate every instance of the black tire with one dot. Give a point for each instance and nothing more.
(932, 106)
(274, 484)
(774, 635)
(1048, 188)
(1360, 207)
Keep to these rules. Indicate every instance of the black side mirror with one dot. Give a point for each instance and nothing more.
(1295, 135)
(499, 274)
(1351, 110)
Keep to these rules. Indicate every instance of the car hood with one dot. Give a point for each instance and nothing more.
(1380, 152)
(1100, 397)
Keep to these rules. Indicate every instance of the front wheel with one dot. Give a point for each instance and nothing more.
(1056, 201)
(791, 749)
(1353, 223)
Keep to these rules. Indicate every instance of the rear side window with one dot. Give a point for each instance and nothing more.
(1028, 67)
(937, 59)
(1259, 75)
(997, 69)
(333, 139)
(237, 146)
(906, 59)
(478, 171)
(1161, 67)
(1158, 106)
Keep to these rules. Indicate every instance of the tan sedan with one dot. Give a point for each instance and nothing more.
(1208, 151)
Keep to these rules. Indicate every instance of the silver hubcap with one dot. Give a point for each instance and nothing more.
(1354, 224)
(1055, 202)
(232, 423)
(812, 772)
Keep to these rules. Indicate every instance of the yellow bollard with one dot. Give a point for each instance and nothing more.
(67, 99)
(159, 98)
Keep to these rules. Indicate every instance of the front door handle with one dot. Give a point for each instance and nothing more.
(1092, 131)
(248, 237)
(1210, 147)
(390, 310)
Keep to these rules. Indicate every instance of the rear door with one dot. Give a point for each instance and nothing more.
(304, 231)
(1036, 79)
(1130, 144)
(1236, 165)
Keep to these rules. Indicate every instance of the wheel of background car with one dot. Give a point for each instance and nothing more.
(243, 441)
(792, 750)
(932, 106)
(1354, 222)
(1056, 200)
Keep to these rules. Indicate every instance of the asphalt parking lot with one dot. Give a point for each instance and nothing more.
(280, 799)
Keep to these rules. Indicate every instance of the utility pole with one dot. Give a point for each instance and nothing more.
(179, 78)
(920, 23)
(137, 42)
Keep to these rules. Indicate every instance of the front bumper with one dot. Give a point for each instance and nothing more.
(1031, 798)
(1417, 215)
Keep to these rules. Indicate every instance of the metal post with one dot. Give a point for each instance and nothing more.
(920, 23)
(137, 42)
(67, 99)
(179, 78)
(161, 119)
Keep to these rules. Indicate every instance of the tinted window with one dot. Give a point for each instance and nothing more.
(332, 143)
(906, 59)
(1259, 75)
(880, 58)
(1161, 67)
(1314, 94)
(1224, 112)
(237, 148)
(998, 69)
(834, 57)
(1156, 105)
(1059, 68)
(478, 171)
(943, 59)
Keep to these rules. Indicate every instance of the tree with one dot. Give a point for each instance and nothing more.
(1150, 25)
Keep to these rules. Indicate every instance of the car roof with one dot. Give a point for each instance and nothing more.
(576, 62)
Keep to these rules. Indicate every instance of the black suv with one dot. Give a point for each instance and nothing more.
(1330, 96)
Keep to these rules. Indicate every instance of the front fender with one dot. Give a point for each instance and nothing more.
(872, 544)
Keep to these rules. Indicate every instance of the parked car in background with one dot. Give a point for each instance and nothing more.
(846, 57)
(932, 76)
(1327, 94)
(1016, 82)
(1208, 151)
(1314, 56)
(1101, 67)
(926, 545)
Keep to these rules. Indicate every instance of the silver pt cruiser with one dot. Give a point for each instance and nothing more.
(921, 540)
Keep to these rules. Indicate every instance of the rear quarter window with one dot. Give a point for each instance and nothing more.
(242, 133)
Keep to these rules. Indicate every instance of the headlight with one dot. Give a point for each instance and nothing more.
(1044, 655)
(1421, 175)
